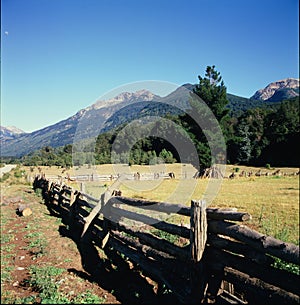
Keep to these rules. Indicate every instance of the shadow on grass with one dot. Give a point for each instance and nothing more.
(111, 272)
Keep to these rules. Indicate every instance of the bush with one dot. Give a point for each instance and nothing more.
(4, 177)
(268, 166)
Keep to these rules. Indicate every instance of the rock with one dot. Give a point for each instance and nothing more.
(20, 268)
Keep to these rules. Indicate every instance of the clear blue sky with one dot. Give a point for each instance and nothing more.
(59, 56)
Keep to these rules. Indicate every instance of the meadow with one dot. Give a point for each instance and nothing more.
(272, 201)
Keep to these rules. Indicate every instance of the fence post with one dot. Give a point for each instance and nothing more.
(198, 236)
(82, 187)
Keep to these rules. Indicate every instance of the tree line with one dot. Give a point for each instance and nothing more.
(256, 136)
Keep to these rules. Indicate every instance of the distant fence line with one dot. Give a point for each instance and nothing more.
(134, 176)
(216, 260)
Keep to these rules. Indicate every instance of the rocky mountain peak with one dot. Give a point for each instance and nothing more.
(287, 88)
(12, 129)
(10, 132)
(125, 97)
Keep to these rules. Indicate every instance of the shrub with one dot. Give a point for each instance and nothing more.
(268, 166)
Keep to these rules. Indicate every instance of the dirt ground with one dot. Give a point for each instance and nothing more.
(114, 281)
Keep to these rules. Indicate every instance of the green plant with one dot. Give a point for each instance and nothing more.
(44, 281)
(18, 173)
(165, 235)
(87, 298)
(280, 264)
(38, 242)
(38, 192)
(6, 273)
(4, 177)
(268, 166)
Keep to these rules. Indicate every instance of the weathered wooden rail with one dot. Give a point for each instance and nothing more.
(212, 259)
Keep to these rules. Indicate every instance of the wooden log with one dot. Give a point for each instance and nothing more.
(24, 210)
(218, 259)
(146, 250)
(72, 197)
(198, 236)
(91, 198)
(155, 242)
(239, 248)
(155, 269)
(265, 244)
(198, 231)
(258, 291)
(156, 223)
(212, 213)
(152, 205)
(100, 206)
(228, 298)
(223, 214)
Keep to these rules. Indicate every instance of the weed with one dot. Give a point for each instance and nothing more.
(5, 238)
(87, 298)
(7, 248)
(168, 236)
(280, 264)
(67, 260)
(4, 177)
(27, 300)
(38, 192)
(42, 280)
(45, 280)
(19, 173)
(7, 298)
(37, 242)
(6, 273)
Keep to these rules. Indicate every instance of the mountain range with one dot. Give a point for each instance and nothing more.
(105, 115)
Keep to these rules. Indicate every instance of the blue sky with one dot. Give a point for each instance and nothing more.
(59, 56)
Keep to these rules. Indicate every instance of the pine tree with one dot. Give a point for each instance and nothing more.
(208, 104)
(212, 91)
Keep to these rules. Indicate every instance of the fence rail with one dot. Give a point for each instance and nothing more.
(212, 258)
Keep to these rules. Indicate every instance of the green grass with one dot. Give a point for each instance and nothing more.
(46, 282)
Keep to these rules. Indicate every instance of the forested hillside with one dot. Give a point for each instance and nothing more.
(255, 132)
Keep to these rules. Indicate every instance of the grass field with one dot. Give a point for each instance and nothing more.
(273, 201)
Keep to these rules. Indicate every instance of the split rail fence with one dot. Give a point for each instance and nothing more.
(212, 259)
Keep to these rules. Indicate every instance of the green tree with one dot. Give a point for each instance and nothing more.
(244, 145)
(212, 91)
(208, 97)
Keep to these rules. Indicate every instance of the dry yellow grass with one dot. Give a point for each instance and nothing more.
(272, 201)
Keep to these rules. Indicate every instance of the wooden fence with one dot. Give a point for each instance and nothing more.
(211, 259)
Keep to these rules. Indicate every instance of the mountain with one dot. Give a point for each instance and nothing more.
(277, 91)
(86, 123)
(9, 133)
(105, 115)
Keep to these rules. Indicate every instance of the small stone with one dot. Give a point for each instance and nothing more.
(15, 284)
(22, 257)
(20, 268)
